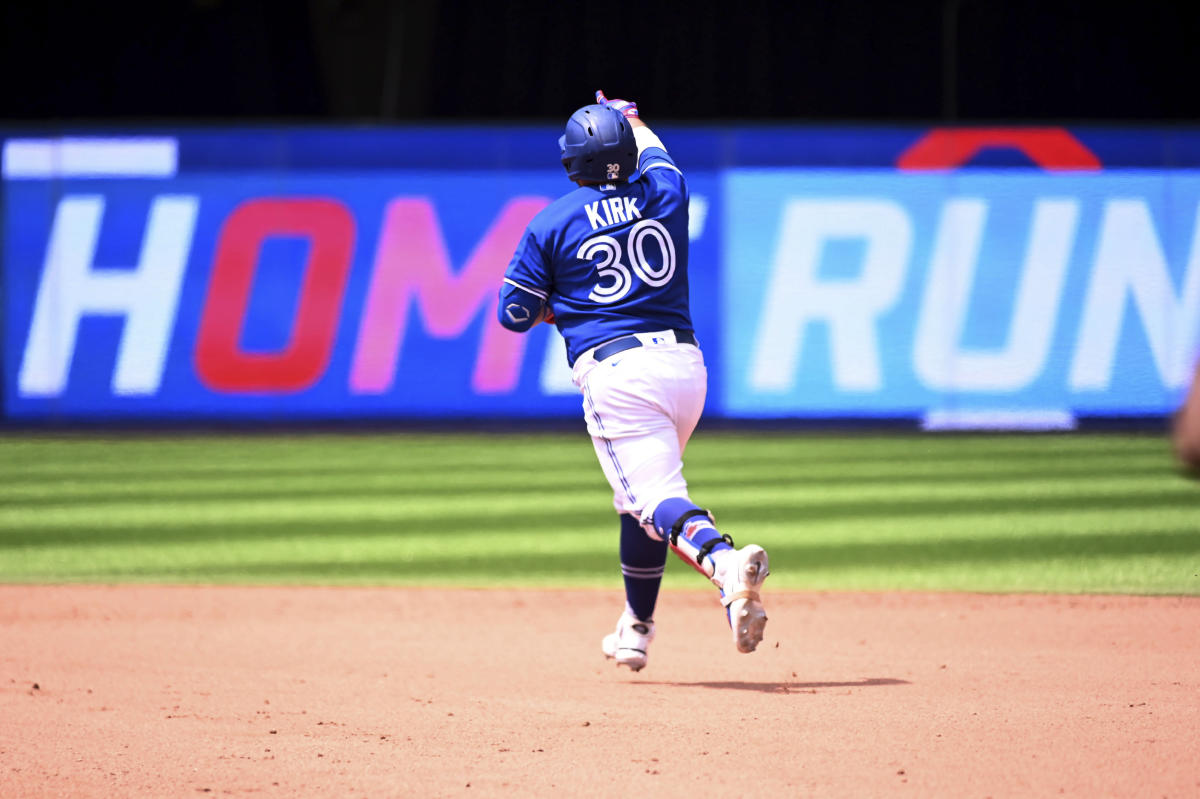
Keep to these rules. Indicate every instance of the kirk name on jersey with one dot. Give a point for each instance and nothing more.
(612, 210)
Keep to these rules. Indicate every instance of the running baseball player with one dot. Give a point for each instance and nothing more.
(608, 265)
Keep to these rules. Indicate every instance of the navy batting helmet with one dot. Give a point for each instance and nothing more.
(598, 145)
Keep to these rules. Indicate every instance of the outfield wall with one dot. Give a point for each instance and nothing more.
(1020, 277)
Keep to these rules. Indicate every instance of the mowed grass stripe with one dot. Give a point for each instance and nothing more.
(479, 549)
(69, 457)
(849, 501)
(420, 463)
(583, 477)
(482, 540)
(701, 465)
(363, 483)
(851, 448)
(587, 557)
(242, 551)
(1052, 512)
(52, 456)
(171, 484)
(1106, 490)
(467, 531)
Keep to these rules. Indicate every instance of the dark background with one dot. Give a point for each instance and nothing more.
(822, 60)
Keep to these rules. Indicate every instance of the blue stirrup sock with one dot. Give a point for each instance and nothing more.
(690, 531)
(642, 562)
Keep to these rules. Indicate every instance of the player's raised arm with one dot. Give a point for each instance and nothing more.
(628, 109)
(645, 138)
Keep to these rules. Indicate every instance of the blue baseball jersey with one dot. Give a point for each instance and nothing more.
(610, 259)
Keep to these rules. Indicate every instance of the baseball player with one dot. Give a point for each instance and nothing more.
(608, 265)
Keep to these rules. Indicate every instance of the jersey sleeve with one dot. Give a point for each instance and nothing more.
(525, 292)
(652, 153)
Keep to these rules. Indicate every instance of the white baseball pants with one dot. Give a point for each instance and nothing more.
(641, 406)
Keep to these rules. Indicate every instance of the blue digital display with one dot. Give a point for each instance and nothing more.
(884, 294)
(898, 272)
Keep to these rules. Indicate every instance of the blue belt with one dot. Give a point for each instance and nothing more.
(630, 342)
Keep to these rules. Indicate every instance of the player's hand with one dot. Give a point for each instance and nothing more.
(627, 108)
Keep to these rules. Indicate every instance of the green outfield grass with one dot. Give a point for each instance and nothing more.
(1044, 513)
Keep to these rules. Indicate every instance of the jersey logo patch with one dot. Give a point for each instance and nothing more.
(516, 312)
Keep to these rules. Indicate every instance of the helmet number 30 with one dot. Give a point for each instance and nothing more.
(615, 277)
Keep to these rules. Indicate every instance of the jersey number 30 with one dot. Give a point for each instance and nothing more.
(611, 268)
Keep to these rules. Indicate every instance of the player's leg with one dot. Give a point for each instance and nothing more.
(625, 462)
(737, 573)
(690, 531)
(643, 560)
(636, 444)
(638, 450)
(640, 415)
(646, 474)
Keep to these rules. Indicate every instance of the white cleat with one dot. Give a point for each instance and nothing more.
(744, 575)
(630, 642)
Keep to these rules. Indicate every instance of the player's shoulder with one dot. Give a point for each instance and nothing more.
(656, 160)
(661, 173)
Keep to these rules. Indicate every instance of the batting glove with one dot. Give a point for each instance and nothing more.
(627, 108)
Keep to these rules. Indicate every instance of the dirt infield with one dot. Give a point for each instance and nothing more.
(144, 691)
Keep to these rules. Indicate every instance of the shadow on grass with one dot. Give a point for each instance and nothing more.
(781, 687)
